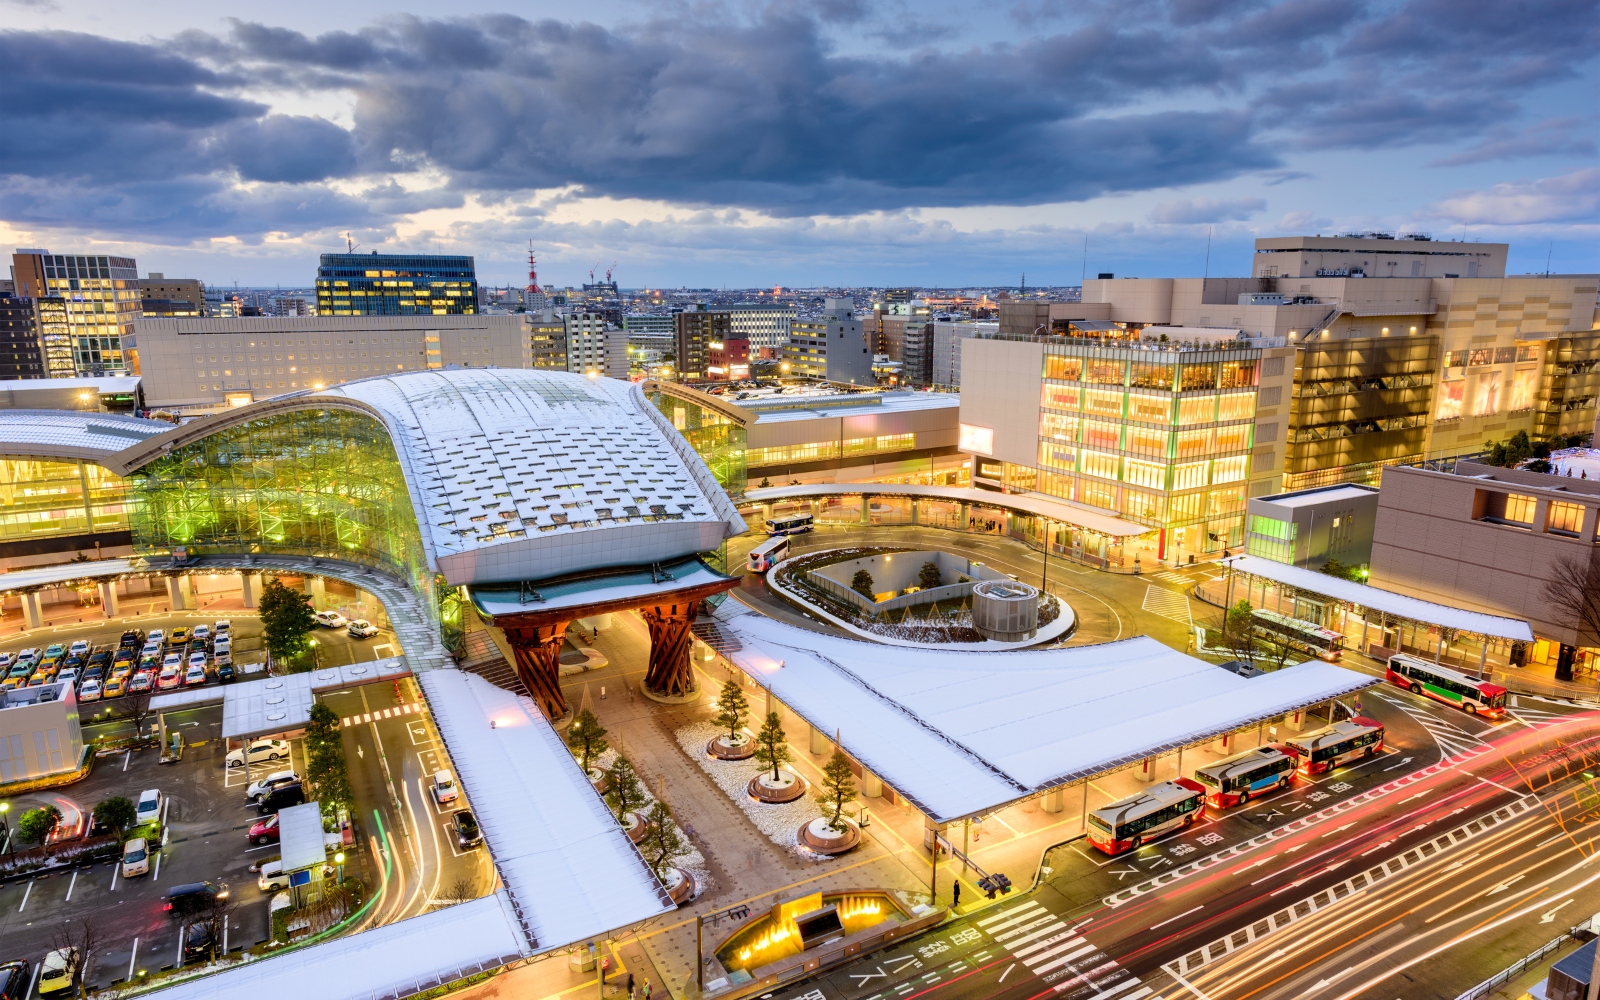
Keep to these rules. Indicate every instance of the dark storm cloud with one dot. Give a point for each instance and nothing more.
(762, 110)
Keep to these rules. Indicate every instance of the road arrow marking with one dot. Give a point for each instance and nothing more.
(1402, 763)
(1332, 979)
(1551, 915)
(1505, 885)
(1428, 791)
(1338, 830)
(1291, 850)
(1380, 847)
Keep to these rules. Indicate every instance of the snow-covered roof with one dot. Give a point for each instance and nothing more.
(1399, 605)
(963, 733)
(283, 704)
(53, 576)
(571, 871)
(394, 960)
(1321, 494)
(1062, 511)
(70, 434)
(659, 581)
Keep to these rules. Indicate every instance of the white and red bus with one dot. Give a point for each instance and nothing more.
(1449, 686)
(1139, 819)
(1337, 745)
(1323, 643)
(790, 524)
(769, 553)
(1232, 781)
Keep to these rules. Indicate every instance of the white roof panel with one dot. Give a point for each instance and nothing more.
(565, 860)
(1399, 605)
(300, 836)
(1305, 498)
(283, 704)
(961, 733)
(50, 576)
(69, 434)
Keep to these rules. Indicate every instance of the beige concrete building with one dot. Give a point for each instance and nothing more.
(1377, 255)
(1485, 539)
(39, 732)
(204, 364)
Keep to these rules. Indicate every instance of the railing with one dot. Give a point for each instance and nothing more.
(1522, 965)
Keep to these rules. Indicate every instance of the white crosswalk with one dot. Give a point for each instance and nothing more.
(1163, 602)
(1451, 738)
(1059, 955)
(1172, 576)
(409, 708)
(1538, 718)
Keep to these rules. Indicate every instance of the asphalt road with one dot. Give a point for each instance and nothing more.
(1270, 899)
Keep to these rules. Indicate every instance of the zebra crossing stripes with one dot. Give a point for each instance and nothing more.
(1535, 718)
(1172, 576)
(409, 708)
(1163, 602)
(1451, 738)
(1060, 955)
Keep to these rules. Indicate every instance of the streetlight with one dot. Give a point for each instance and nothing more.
(338, 859)
(5, 807)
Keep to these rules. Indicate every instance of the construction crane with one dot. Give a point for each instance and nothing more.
(613, 267)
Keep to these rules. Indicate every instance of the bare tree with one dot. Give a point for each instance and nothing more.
(1573, 593)
(136, 706)
(83, 936)
(215, 915)
(459, 891)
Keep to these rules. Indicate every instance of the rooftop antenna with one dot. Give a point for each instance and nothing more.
(533, 272)
(1549, 254)
(1085, 275)
(1208, 253)
(1023, 288)
(349, 244)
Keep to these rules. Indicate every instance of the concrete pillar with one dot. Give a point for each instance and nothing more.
(30, 610)
(186, 585)
(1147, 769)
(866, 509)
(1295, 721)
(914, 518)
(819, 741)
(319, 592)
(175, 593)
(247, 587)
(1223, 744)
(108, 598)
(871, 787)
(966, 515)
(1050, 802)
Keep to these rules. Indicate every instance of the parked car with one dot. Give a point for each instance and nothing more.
(100, 658)
(15, 980)
(172, 659)
(151, 648)
(225, 672)
(124, 655)
(362, 629)
(444, 787)
(199, 942)
(59, 971)
(135, 858)
(223, 627)
(259, 787)
(195, 675)
(265, 831)
(95, 674)
(330, 619)
(123, 670)
(466, 829)
(30, 654)
(272, 877)
(133, 637)
(258, 751)
(291, 793)
(202, 632)
(149, 806)
(221, 644)
(169, 678)
(67, 676)
(198, 659)
(179, 636)
(55, 650)
(91, 690)
(79, 647)
(156, 635)
(193, 897)
(116, 687)
(5, 661)
(141, 680)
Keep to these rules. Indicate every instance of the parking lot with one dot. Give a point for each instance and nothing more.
(207, 823)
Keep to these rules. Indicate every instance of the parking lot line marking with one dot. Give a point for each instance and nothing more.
(126, 754)
(116, 870)
(182, 932)
(35, 980)
(158, 867)
(71, 884)
(132, 959)
(25, 896)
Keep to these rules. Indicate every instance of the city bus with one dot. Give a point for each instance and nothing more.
(1449, 686)
(769, 553)
(1139, 819)
(1323, 643)
(1232, 781)
(790, 524)
(1336, 745)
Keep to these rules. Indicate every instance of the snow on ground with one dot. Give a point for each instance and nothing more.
(1583, 462)
(780, 822)
(694, 862)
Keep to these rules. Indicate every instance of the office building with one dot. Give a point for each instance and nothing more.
(595, 347)
(1175, 436)
(947, 339)
(21, 346)
(106, 394)
(359, 284)
(99, 300)
(547, 340)
(206, 364)
(831, 346)
(648, 332)
(729, 359)
(163, 296)
(1376, 255)
(916, 352)
(694, 331)
(1310, 527)
(766, 328)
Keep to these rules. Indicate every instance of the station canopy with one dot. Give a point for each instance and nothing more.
(1037, 504)
(960, 734)
(1387, 601)
(277, 704)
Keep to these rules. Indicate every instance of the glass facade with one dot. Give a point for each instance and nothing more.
(41, 497)
(96, 302)
(820, 451)
(308, 483)
(717, 439)
(355, 284)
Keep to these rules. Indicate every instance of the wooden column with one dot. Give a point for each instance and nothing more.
(670, 674)
(535, 649)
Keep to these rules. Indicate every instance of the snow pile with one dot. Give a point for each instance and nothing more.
(780, 822)
(694, 862)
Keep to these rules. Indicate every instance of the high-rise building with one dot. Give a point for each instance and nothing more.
(649, 332)
(833, 346)
(21, 349)
(160, 295)
(595, 347)
(695, 330)
(916, 350)
(547, 339)
(766, 327)
(99, 299)
(359, 284)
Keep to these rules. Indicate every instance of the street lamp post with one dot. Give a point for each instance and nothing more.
(5, 827)
(338, 859)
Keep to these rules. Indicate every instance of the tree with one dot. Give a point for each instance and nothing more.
(626, 793)
(1572, 592)
(1335, 568)
(36, 825)
(459, 891)
(772, 744)
(216, 909)
(286, 621)
(928, 576)
(135, 705)
(838, 787)
(329, 774)
(732, 708)
(586, 738)
(1510, 453)
(323, 727)
(861, 583)
(82, 936)
(1236, 632)
(664, 843)
(117, 812)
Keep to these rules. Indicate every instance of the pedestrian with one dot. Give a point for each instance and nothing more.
(647, 989)
(630, 986)
(955, 895)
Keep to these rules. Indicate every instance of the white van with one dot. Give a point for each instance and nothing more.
(149, 807)
(273, 877)
(135, 858)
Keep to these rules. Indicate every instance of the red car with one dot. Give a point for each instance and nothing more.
(265, 831)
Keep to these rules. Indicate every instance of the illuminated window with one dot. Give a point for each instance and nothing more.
(1148, 474)
(1102, 434)
(1229, 470)
(1104, 402)
(1188, 475)
(1058, 427)
(1105, 372)
(1235, 438)
(1192, 444)
(1056, 456)
(1520, 508)
(1197, 377)
(1067, 369)
(1148, 375)
(1149, 409)
(1146, 441)
(1061, 397)
(1094, 463)
(1237, 406)
(1197, 410)
(1564, 518)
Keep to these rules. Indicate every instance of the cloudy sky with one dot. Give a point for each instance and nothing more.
(797, 143)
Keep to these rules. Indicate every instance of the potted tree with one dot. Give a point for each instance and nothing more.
(732, 710)
(775, 783)
(625, 796)
(832, 832)
(663, 844)
(586, 738)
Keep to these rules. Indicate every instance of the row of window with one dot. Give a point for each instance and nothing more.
(1149, 408)
(1142, 440)
(1519, 509)
(1164, 375)
(821, 451)
(1133, 502)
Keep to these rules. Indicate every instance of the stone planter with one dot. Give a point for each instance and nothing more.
(818, 837)
(600, 780)
(635, 827)
(680, 885)
(787, 788)
(743, 747)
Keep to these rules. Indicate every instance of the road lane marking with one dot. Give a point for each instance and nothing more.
(133, 958)
(1180, 916)
(71, 884)
(25, 893)
(1497, 784)
(1006, 973)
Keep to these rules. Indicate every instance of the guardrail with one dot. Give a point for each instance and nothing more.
(1522, 964)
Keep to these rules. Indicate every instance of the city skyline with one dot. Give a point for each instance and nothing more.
(832, 144)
